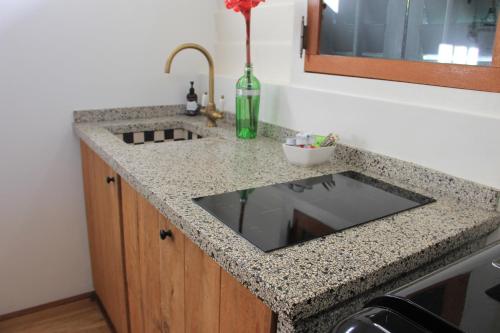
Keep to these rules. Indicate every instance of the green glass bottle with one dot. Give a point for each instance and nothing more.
(247, 105)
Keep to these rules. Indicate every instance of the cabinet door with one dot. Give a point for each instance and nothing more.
(202, 291)
(102, 197)
(142, 253)
(172, 277)
(132, 257)
(149, 252)
(241, 311)
(155, 267)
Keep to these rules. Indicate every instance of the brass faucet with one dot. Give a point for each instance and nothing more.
(210, 111)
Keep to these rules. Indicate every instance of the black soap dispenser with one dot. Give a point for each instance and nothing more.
(192, 105)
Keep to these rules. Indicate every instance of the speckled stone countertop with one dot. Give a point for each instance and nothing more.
(299, 281)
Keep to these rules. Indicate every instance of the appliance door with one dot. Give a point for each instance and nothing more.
(378, 320)
(462, 297)
(465, 294)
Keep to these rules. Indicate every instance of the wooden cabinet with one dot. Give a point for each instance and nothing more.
(155, 267)
(102, 201)
(202, 279)
(241, 311)
(142, 253)
(132, 253)
(172, 278)
(151, 277)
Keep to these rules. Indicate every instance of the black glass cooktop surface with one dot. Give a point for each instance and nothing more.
(281, 215)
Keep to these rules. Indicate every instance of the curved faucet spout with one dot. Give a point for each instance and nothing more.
(210, 111)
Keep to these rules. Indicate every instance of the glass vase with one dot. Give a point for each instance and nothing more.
(247, 105)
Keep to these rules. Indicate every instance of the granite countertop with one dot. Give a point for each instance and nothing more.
(299, 281)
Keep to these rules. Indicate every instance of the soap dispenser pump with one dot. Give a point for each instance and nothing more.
(192, 106)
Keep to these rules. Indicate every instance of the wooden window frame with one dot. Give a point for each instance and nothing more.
(479, 78)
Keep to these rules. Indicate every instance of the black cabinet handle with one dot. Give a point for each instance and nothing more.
(110, 179)
(166, 233)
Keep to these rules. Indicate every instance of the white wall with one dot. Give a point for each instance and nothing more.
(57, 56)
(455, 131)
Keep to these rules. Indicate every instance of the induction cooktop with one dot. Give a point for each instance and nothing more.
(281, 215)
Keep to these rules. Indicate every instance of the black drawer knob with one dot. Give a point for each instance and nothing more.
(165, 233)
(110, 179)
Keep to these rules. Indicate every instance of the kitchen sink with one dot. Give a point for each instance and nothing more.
(157, 136)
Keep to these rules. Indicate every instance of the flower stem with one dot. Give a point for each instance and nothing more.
(249, 87)
(248, 20)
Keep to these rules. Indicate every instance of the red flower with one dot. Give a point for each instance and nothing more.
(242, 5)
(245, 7)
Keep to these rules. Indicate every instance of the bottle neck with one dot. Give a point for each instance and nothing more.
(248, 69)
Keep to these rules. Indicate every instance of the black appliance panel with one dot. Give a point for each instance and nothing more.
(460, 298)
(379, 320)
(465, 294)
(281, 215)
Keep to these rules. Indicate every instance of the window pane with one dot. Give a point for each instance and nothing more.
(449, 31)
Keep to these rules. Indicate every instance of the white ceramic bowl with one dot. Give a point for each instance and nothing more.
(308, 156)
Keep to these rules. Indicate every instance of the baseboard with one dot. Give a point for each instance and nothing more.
(49, 305)
(96, 299)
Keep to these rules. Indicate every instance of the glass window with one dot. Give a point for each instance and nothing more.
(445, 31)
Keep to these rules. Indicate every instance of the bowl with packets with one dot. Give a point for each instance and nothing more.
(307, 150)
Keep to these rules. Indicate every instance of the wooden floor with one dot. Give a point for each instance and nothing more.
(79, 316)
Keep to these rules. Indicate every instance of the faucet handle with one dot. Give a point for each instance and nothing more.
(222, 103)
(212, 114)
(204, 100)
